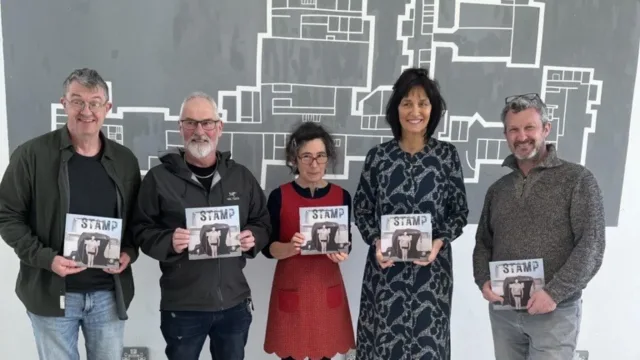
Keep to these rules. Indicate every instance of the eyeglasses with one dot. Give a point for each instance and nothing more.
(528, 96)
(80, 105)
(193, 124)
(308, 158)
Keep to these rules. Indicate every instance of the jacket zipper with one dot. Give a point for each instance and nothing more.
(207, 194)
(218, 291)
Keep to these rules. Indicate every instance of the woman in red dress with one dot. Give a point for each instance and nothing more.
(309, 313)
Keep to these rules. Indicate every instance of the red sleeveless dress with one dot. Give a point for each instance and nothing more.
(308, 312)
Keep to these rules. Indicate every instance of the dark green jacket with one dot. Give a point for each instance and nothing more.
(34, 201)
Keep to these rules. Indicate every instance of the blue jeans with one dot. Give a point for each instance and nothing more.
(57, 337)
(552, 336)
(186, 331)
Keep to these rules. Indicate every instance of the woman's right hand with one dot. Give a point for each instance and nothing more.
(381, 261)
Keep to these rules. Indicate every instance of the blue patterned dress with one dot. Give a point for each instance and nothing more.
(405, 310)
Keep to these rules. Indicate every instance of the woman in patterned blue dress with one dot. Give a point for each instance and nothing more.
(405, 307)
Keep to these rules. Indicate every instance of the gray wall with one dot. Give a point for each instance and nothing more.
(331, 61)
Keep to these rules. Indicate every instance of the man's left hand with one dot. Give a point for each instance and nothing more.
(435, 249)
(540, 303)
(124, 262)
(247, 241)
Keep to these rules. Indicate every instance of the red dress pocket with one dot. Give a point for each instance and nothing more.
(288, 301)
(334, 296)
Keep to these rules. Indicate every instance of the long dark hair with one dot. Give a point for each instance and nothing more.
(409, 79)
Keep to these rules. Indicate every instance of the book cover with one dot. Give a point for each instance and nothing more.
(325, 229)
(214, 232)
(515, 281)
(93, 241)
(406, 237)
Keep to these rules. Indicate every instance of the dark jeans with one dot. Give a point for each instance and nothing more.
(186, 331)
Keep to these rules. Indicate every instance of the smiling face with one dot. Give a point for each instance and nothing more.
(526, 134)
(312, 161)
(86, 109)
(200, 127)
(414, 111)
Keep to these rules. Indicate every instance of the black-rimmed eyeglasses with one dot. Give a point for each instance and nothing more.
(193, 124)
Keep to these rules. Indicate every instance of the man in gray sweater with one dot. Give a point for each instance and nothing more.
(546, 208)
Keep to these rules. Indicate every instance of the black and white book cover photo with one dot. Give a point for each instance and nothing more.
(406, 237)
(213, 232)
(515, 281)
(325, 229)
(93, 241)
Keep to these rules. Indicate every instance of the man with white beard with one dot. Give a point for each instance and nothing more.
(200, 298)
(546, 208)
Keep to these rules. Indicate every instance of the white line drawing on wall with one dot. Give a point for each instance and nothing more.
(284, 96)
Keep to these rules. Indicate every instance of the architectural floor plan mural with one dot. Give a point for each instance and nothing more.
(334, 62)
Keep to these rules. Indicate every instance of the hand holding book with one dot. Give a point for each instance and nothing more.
(435, 248)
(180, 240)
(247, 241)
(125, 259)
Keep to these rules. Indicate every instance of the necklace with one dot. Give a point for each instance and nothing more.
(199, 176)
(205, 177)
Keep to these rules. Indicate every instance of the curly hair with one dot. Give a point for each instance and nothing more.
(303, 133)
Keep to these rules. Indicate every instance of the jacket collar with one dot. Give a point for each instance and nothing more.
(65, 142)
(551, 160)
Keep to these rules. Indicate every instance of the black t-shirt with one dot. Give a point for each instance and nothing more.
(92, 193)
(204, 175)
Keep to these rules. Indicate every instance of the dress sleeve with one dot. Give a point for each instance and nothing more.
(274, 203)
(456, 208)
(364, 201)
(346, 200)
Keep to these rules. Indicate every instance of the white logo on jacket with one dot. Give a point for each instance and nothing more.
(232, 196)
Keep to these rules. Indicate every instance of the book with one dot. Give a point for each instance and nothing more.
(325, 229)
(406, 237)
(515, 281)
(213, 232)
(92, 241)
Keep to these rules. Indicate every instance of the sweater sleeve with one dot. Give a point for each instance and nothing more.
(274, 203)
(588, 226)
(364, 201)
(482, 251)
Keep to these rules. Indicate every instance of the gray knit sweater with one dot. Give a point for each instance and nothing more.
(555, 213)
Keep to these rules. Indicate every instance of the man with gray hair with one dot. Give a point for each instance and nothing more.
(71, 170)
(207, 297)
(546, 208)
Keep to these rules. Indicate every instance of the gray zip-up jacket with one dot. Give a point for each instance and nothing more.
(555, 213)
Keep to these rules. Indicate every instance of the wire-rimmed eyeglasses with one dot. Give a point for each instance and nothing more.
(80, 104)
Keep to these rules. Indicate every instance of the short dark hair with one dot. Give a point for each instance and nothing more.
(409, 79)
(303, 133)
(88, 78)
